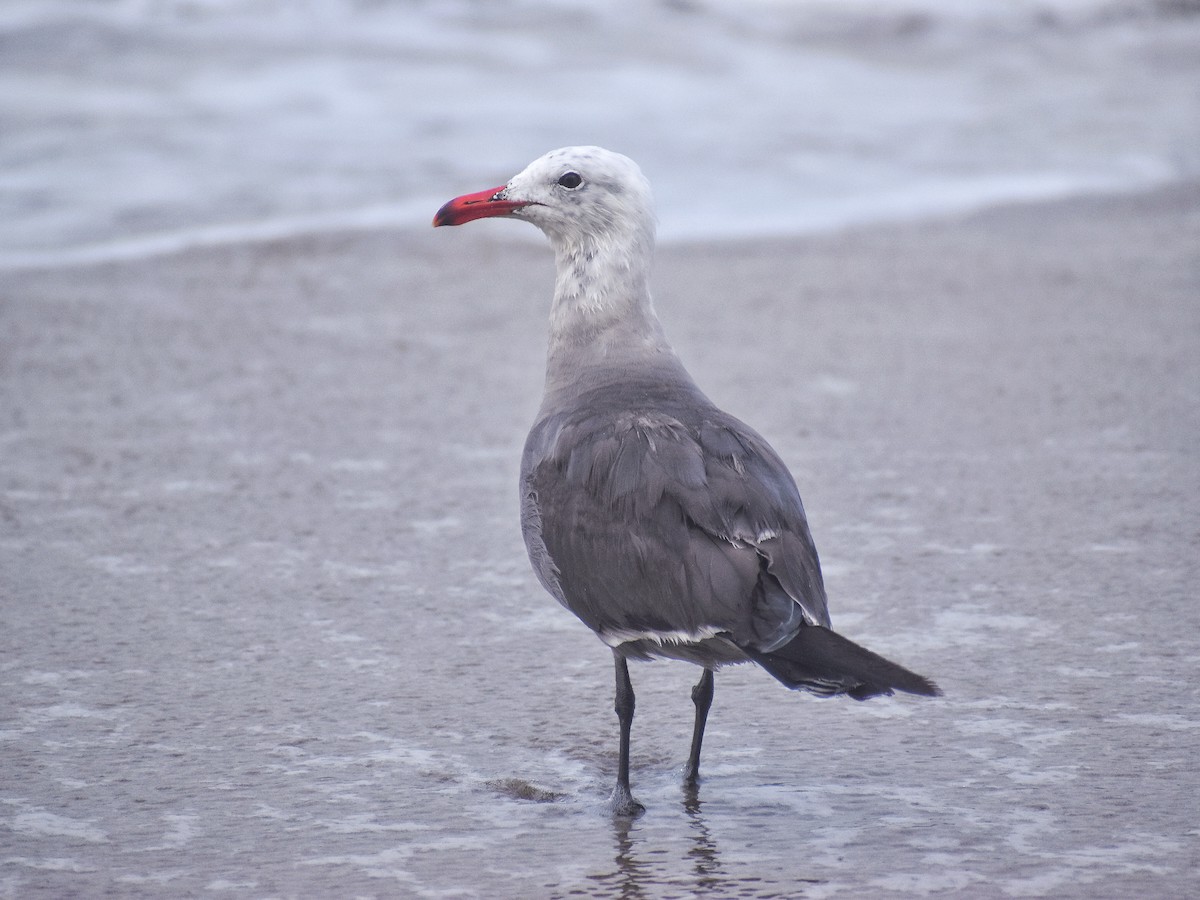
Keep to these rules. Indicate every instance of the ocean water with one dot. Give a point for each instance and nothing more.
(140, 126)
(268, 629)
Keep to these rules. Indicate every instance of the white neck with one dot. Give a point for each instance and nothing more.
(602, 312)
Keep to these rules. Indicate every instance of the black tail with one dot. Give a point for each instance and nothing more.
(820, 661)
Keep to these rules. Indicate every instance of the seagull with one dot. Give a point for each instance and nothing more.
(669, 527)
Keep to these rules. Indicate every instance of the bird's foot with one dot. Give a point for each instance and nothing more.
(691, 776)
(623, 805)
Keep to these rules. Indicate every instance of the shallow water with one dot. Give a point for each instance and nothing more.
(269, 629)
(134, 127)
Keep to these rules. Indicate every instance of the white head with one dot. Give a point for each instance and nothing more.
(576, 195)
(597, 210)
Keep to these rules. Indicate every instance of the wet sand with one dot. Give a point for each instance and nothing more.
(268, 627)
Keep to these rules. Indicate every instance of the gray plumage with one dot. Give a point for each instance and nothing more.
(669, 527)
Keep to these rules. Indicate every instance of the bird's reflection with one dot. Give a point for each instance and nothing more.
(639, 868)
(706, 862)
(633, 874)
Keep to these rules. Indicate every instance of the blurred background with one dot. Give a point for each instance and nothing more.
(134, 126)
(267, 628)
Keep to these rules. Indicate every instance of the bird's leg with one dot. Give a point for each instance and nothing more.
(622, 800)
(702, 695)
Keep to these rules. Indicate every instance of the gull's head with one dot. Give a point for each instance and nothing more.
(576, 195)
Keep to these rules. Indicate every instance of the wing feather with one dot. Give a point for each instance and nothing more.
(670, 520)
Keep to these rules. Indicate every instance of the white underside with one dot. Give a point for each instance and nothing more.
(618, 637)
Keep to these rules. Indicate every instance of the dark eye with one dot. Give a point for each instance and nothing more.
(570, 180)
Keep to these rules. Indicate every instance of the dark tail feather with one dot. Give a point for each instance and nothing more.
(824, 662)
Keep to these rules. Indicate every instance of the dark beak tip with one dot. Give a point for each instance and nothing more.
(442, 217)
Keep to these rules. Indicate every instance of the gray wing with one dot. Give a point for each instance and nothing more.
(679, 522)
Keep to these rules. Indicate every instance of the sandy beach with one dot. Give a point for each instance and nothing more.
(269, 630)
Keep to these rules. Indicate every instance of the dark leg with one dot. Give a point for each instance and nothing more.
(702, 695)
(622, 801)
